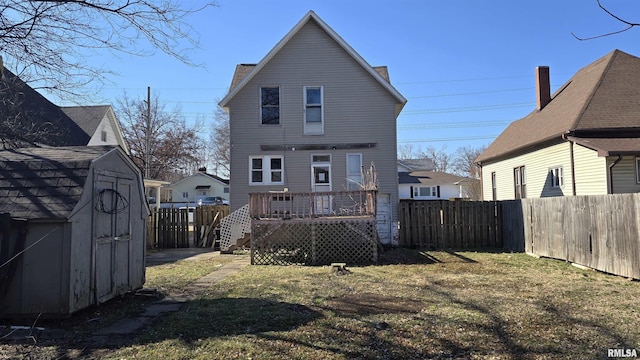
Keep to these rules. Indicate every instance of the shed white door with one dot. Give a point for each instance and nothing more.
(112, 229)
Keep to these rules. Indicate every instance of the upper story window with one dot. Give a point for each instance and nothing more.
(313, 110)
(638, 170)
(556, 178)
(270, 105)
(103, 136)
(520, 182)
(266, 170)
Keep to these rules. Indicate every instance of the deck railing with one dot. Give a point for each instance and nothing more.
(304, 205)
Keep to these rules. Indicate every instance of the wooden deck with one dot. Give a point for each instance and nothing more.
(313, 228)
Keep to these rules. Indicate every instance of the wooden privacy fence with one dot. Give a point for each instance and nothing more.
(168, 228)
(206, 219)
(441, 224)
(183, 227)
(601, 232)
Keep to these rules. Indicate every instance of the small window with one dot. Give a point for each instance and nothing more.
(103, 136)
(270, 105)
(226, 190)
(266, 170)
(493, 187)
(520, 182)
(185, 195)
(354, 171)
(313, 110)
(556, 178)
(638, 170)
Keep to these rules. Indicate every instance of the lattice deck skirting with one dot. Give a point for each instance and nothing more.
(351, 240)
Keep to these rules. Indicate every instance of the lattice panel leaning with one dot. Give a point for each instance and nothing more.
(315, 242)
(234, 226)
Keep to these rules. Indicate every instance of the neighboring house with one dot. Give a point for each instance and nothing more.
(433, 185)
(38, 118)
(73, 229)
(409, 165)
(309, 116)
(583, 140)
(99, 122)
(197, 186)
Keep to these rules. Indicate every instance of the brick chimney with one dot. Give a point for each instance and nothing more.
(543, 86)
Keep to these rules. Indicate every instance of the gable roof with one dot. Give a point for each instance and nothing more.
(245, 72)
(45, 183)
(600, 98)
(38, 113)
(417, 164)
(90, 117)
(206, 176)
(432, 178)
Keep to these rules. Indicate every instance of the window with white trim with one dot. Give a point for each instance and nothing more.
(425, 192)
(556, 177)
(354, 171)
(520, 182)
(270, 105)
(266, 170)
(313, 110)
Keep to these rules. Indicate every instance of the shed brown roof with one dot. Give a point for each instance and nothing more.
(604, 95)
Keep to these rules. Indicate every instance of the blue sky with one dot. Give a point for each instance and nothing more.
(466, 67)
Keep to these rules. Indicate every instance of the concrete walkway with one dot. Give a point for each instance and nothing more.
(172, 302)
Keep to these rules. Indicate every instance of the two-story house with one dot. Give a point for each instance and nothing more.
(309, 116)
(582, 140)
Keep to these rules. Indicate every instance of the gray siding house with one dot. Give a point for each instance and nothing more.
(582, 140)
(309, 116)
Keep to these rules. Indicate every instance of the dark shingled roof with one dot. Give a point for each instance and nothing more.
(431, 178)
(87, 117)
(45, 183)
(602, 97)
(36, 112)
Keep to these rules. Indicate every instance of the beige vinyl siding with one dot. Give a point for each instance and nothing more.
(624, 175)
(537, 165)
(590, 170)
(357, 109)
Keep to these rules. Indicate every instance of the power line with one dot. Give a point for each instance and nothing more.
(467, 138)
(452, 125)
(466, 109)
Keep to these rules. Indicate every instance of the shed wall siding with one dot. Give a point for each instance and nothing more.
(357, 109)
(624, 175)
(591, 171)
(537, 165)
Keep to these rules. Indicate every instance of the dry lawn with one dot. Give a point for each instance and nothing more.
(417, 305)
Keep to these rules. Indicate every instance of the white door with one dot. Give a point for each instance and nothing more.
(321, 182)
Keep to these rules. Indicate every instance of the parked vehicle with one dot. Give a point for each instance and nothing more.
(212, 200)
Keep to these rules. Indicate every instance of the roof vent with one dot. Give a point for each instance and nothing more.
(543, 86)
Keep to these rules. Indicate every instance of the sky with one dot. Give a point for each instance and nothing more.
(466, 67)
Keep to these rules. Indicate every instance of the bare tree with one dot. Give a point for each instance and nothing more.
(408, 151)
(220, 142)
(440, 157)
(464, 161)
(628, 25)
(173, 149)
(48, 42)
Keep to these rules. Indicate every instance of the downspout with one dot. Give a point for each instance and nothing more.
(611, 173)
(573, 164)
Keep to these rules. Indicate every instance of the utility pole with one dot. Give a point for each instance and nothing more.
(147, 155)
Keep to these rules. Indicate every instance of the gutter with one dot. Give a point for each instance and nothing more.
(611, 173)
